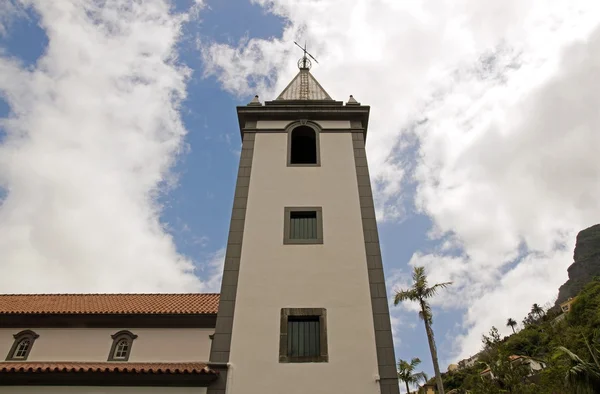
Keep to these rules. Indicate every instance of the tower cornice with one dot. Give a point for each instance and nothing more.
(358, 115)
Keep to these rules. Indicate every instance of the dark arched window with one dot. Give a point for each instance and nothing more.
(304, 146)
(121, 346)
(22, 345)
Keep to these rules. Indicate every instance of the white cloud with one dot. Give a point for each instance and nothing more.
(93, 133)
(516, 183)
(213, 271)
(9, 10)
(500, 98)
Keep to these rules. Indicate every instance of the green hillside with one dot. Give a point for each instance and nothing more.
(546, 337)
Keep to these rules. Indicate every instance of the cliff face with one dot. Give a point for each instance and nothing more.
(586, 263)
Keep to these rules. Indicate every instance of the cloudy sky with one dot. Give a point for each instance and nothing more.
(119, 143)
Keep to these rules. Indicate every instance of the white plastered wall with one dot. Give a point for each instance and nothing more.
(93, 344)
(332, 275)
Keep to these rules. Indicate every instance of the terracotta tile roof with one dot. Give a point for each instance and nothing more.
(197, 303)
(144, 368)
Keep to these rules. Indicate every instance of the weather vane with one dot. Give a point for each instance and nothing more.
(305, 63)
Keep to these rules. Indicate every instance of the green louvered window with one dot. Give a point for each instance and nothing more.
(304, 337)
(303, 226)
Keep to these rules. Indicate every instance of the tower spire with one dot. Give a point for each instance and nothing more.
(304, 63)
(304, 86)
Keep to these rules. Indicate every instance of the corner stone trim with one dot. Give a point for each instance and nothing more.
(386, 358)
(221, 343)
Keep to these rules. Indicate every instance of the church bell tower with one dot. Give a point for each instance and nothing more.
(303, 305)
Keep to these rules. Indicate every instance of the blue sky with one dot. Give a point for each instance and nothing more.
(196, 210)
(473, 174)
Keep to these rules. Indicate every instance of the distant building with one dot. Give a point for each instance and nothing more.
(533, 364)
(452, 367)
(428, 388)
(468, 362)
(565, 307)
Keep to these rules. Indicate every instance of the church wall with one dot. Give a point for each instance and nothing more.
(101, 390)
(332, 275)
(93, 344)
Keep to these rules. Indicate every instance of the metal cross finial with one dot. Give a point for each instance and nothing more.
(304, 63)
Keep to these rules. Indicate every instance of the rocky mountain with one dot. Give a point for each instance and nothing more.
(586, 263)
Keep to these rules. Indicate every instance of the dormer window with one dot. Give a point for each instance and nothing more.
(121, 347)
(22, 349)
(22, 345)
(303, 146)
(121, 350)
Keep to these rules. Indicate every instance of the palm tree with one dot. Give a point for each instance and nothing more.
(537, 310)
(511, 323)
(584, 376)
(419, 292)
(407, 375)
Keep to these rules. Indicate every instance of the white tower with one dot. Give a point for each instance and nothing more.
(303, 305)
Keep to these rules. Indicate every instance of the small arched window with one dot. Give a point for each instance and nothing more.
(22, 345)
(303, 146)
(121, 346)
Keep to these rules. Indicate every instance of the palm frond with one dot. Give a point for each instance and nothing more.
(405, 366)
(415, 361)
(405, 295)
(419, 279)
(419, 274)
(406, 372)
(420, 377)
(574, 357)
(580, 377)
(425, 313)
(592, 350)
(582, 373)
(430, 292)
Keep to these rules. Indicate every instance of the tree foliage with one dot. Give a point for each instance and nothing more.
(570, 347)
(585, 311)
(421, 292)
(511, 323)
(407, 374)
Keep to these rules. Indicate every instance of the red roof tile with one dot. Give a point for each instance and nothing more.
(147, 368)
(196, 303)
